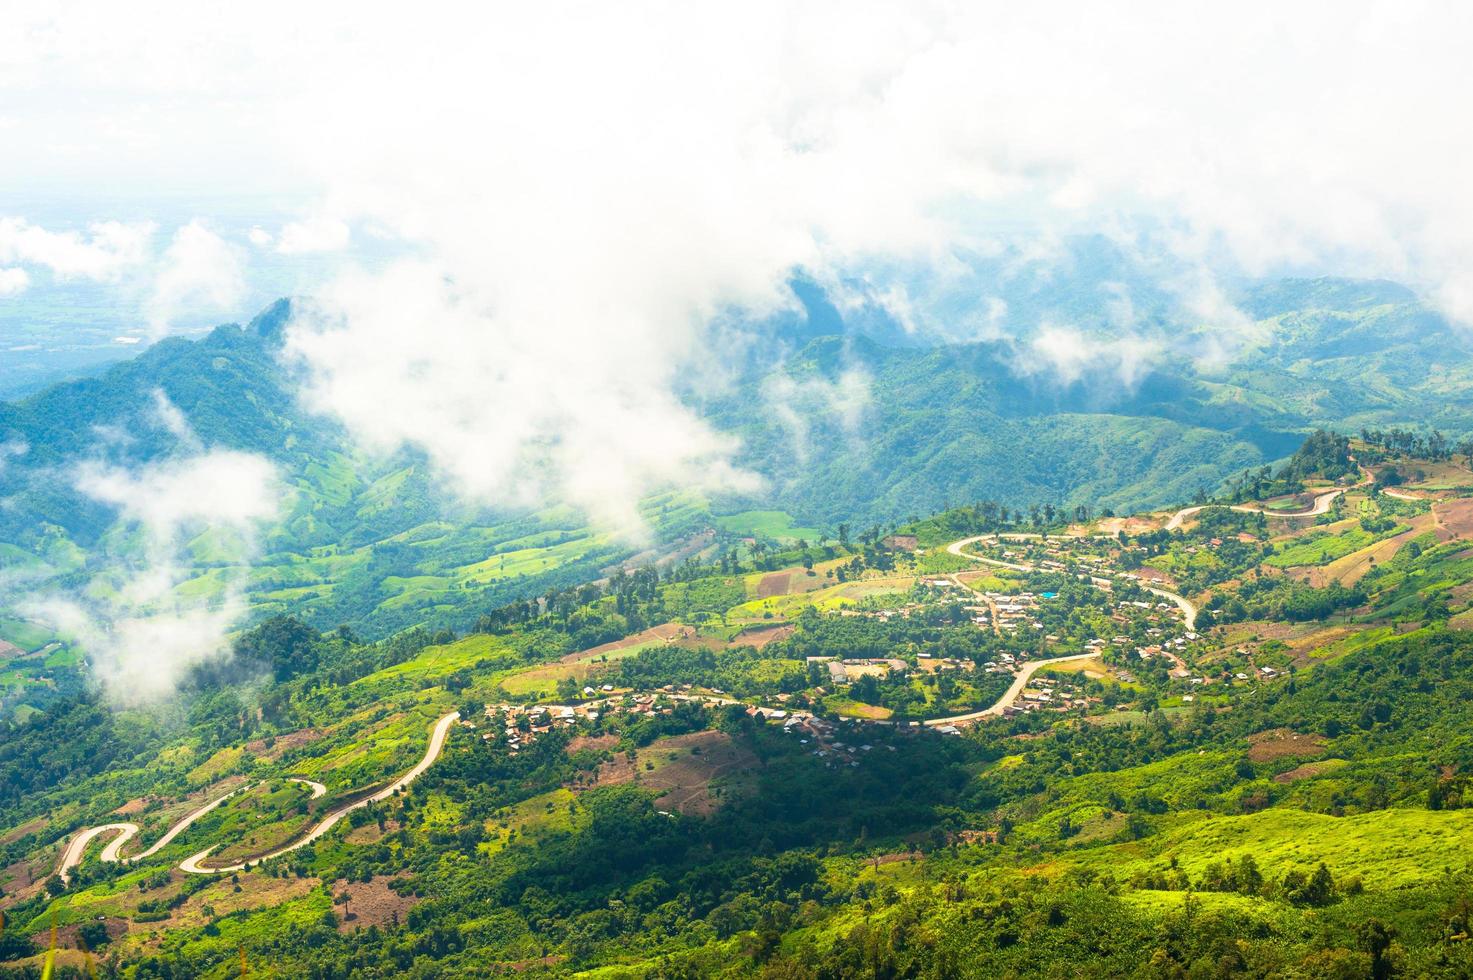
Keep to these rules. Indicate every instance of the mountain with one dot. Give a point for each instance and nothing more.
(887, 432)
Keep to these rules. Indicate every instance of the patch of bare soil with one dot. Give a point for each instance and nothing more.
(281, 743)
(596, 742)
(683, 769)
(668, 632)
(256, 891)
(895, 858)
(1149, 574)
(1122, 525)
(370, 833)
(1300, 772)
(30, 826)
(133, 807)
(1454, 519)
(370, 903)
(67, 936)
(761, 636)
(773, 584)
(24, 879)
(1281, 743)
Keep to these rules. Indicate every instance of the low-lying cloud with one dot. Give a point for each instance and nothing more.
(142, 630)
(587, 186)
(103, 253)
(199, 273)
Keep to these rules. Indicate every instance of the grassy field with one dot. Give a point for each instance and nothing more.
(1320, 547)
(1386, 849)
(772, 524)
(826, 599)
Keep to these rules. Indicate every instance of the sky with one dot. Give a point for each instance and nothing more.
(514, 226)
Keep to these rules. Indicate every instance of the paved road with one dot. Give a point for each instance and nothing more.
(126, 832)
(318, 790)
(1320, 506)
(1188, 608)
(72, 856)
(956, 548)
(1321, 503)
(1012, 693)
(193, 864)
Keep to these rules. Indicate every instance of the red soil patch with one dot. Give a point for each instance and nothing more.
(24, 879)
(369, 833)
(1280, 743)
(895, 858)
(30, 826)
(761, 636)
(1120, 525)
(1454, 519)
(517, 966)
(370, 903)
(1300, 772)
(133, 806)
(684, 768)
(67, 937)
(669, 632)
(290, 740)
(1150, 574)
(773, 584)
(790, 581)
(596, 742)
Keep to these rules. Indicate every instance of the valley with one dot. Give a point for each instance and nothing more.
(1139, 718)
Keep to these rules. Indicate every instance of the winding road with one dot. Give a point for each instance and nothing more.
(958, 548)
(193, 864)
(1011, 694)
(1321, 505)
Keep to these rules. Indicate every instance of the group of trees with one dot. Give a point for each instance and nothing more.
(1433, 446)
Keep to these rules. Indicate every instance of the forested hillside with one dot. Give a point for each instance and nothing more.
(889, 432)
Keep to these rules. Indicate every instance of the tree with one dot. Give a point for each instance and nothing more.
(1375, 938)
(1248, 878)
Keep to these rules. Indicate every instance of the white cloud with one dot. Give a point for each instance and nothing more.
(108, 248)
(796, 404)
(172, 420)
(200, 272)
(316, 234)
(511, 411)
(11, 449)
(260, 237)
(141, 631)
(589, 184)
(1068, 356)
(13, 281)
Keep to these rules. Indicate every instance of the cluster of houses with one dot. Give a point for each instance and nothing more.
(849, 671)
(1049, 694)
(1014, 611)
(826, 737)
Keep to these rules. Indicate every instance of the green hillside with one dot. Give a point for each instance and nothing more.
(780, 762)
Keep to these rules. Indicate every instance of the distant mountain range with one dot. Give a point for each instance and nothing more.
(889, 429)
